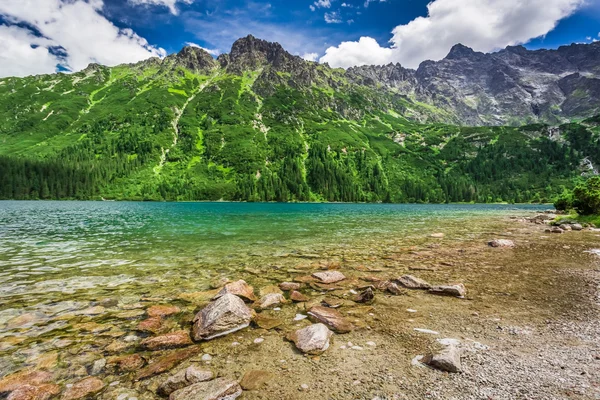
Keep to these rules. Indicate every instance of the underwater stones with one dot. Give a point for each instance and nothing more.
(329, 276)
(501, 243)
(253, 380)
(162, 311)
(98, 366)
(298, 297)
(332, 318)
(128, 363)
(287, 286)
(265, 322)
(167, 363)
(27, 377)
(270, 290)
(96, 310)
(225, 315)
(412, 282)
(168, 341)
(366, 296)
(198, 297)
(31, 392)
(457, 290)
(270, 300)
(313, 339)
(152, 325)
(84, 388)
(218, 389)
(447, 359)
(183, 378)
(240, 289)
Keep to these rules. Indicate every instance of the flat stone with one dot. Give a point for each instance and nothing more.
(162, 311)
(30, 392)
(225, 315)
(412, 282)
(270, 300)
(253, 380)
(183, 378)
(313, 339)
(27, 377)
(83, 389)
(167, 363)
(97, 310)
(270, 290)
(448, 359)
(152, 325)
(267, 322)
(218, 389)
(287, 286)
(457, 290)
(501, 243)
(240, 289)
(130, 314)
(198, 297)
(168, 341)
(329, 276)
(128, 363)
(298, 297)
(332, 318)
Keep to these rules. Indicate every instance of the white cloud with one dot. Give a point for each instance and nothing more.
(77, 26)
(484, 25)
(310, 56)
(322, 4)
(367, 2)
(212, 52)
(170, 4)
(312, 8)
(333, 17)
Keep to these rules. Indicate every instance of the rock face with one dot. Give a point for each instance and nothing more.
(240, 289)
(83, 389)
(168, 341)
(447, 359)
(332, 318)
(218, 389)
(225, 315)
(412, 282)
(457, 290)
(184, 378)
(313, 339)
(193, 58)
(501, 243)
(329, 276)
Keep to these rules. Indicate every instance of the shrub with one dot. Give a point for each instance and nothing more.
(586, 197)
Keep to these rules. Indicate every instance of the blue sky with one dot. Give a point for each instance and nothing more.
(38, 35)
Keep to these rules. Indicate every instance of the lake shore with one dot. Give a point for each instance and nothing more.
(527, 327)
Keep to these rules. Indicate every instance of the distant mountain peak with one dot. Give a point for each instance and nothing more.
(459, 51)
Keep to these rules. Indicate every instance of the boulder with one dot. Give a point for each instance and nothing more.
(298, 297)
(270, 300)
(501, 243)
(183, 378)
(577, 227)
(287, 286)
(253, 380)
(457, 290)
(329, 276)
(330, 317)
(240, 289)
(83, 389)
(162, 311)
(448, 359)
(412, 282)
(565, 227)
(556, 229)
(31, 392)
(225, 315)
(366, 296)
(313, 339)
(168, 341)
(218, 389)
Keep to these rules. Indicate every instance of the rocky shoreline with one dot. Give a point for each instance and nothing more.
(340, 329)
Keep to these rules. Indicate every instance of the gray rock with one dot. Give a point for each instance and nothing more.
(501, 243)
(270, 300)
(225, 315)
(184, 378)
(329, 276)
(412, 282)
(98, 367)
(577, 227)
(313, 339)
(565, 227)
(218, 389)
(447, 359)
(457, 290)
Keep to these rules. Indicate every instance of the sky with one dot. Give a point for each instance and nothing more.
(45, 36)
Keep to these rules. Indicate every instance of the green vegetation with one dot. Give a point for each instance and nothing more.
(584, 198)
(155, 131)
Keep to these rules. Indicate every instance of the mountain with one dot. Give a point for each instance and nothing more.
(260, 124)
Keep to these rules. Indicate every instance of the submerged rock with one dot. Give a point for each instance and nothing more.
(14, 381)
(31, 392)
(225, 315)
(313, 339)
(128, 363)
(501, 243)
(218, 389)
(167, 363)
(412, 282)
(168, 341)
(270, 300)
(366, 296)
(152, 325)
(84, 388)
(329, 276)
(457, 290)
(332, 318)
(240, 289)
(447, 359)
(287, 286)
(298, 297)
(162, 311)
(267, 322)
(183, 378)
(253, 380)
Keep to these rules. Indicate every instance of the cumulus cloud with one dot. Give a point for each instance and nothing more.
(484, 25)
(170, 4)
(76, 27)
(212, 52)
(310, 56)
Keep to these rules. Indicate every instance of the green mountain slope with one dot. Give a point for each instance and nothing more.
(262, 125)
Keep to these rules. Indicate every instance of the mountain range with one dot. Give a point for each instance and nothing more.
(261, 124)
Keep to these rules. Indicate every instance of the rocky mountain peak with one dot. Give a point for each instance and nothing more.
(459, 51)
(250, 53)
(195, 59)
